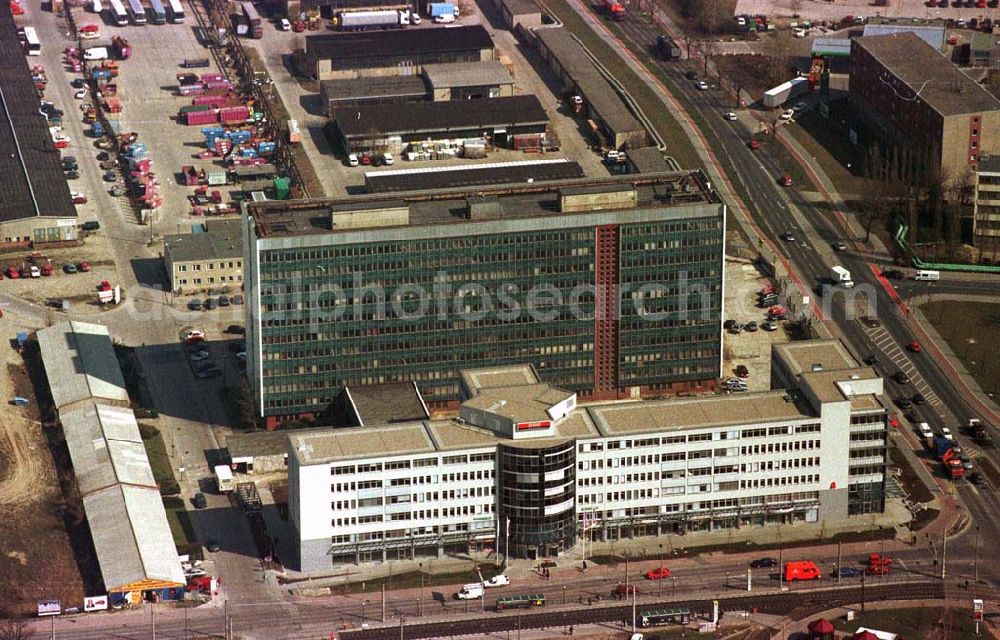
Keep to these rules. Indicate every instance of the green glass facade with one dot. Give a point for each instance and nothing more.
(335, 313)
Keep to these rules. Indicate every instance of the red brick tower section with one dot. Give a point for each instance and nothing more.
(606, 313)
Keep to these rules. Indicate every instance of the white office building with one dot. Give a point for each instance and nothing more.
(524, 462)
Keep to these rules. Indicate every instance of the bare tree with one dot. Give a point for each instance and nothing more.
(16, 629)
(688, 41)
(712, 15)
(778, 46)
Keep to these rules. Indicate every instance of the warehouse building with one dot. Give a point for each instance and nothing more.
(525, 454)
(128, 523)
(580, 240)
(395, 53)
(933, 32)
(359, 92)
(646, 160)
(580, 77)
(210, 258)
(520, 15)
(462, 176)
(501, 122)
(465, 80)
(36, 206)
(911, 95)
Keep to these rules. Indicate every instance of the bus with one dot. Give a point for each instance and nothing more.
(138, 12)
(660, 617)
(32, 42)
(520, 602)
(118, 12)
(176, 11)
(159, 15)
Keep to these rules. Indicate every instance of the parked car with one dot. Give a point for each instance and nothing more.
(742, 371)
(729, 115)
(237, 299)
(199, 501)
(388, 158)
(903, 402)
(69, 268)
(352, 160)
(198, 356)
(770, 325)
(847, 572)
(110, 177)
(72, 175)
(901, 378)
(751, 326)
(659, 573)
(81, 94)
(192, 333)
(209, 304)
(235, 329)
(499, 580)
(34, 272)
(194, 304)
(919, 399)
(78, 198)
(13, 273)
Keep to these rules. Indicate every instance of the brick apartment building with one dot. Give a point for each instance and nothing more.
(909, 91)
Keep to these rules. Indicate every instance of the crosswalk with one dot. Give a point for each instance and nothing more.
(888, 346)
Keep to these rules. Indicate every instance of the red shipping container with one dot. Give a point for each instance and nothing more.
(215, 101)
(221, 84)
(212, 77)
(192, 118)
(234, 114)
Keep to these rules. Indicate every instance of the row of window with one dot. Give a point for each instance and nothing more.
(232, 264)
(209, 280)
(425, 514)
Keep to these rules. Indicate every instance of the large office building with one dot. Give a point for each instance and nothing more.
(525, 462)
(913, 96)
(610, 288)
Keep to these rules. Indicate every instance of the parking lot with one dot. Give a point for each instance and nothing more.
(337, 179)
(751, 349)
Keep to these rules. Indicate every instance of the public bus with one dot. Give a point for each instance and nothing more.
(176, 11)
(118, 13)
(159, 15)
(32, 42)
(520, 602)
(138, 12)
(660, 617)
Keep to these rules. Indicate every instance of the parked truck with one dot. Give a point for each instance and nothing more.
(615, 10)
(361, 20)
(441, 10)
(668, 48)
(121, 47)
(841, 276)
(224, 478)
(786, 91)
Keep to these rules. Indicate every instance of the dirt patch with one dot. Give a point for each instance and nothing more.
(912, 485)
(969, 329)
(38, 560)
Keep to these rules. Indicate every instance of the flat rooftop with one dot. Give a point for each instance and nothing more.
(932, 34)
(488, 73)
(388, 403)
(475, 380)
(471, 175)
(678, 414)
(397, 42)
(246, 446)
(681, 191)
(375, 88)
(595, 89)
(445, 115)
(523, 403)
(804, 356)
(31, 176)
(521, 7)
(648, 160)
(839, 385)
(223, 243)
(941, 85)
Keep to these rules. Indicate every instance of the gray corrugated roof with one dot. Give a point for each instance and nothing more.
(31, 177)
(213, 244)
(80, 363)
(378, 87)
(467, 74)
(940, 83)
(105, 447)
(252, 445)
(648, 160)
(131, 536)
(401, 42)
(931, 34)
(594, 88)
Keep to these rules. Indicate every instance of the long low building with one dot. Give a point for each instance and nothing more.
(393, 53)
(36, 206)
(468, 80)
(472, 174)
(580, 76)
(389, 127)
(525, 454)
(358, 92)
(128, 523)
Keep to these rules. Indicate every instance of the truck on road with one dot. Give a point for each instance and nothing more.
(668, 47)
(224, 478)
(785, 91)
(841, 276)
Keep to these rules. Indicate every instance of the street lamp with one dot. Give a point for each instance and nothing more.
(420, 602)
(364, 603)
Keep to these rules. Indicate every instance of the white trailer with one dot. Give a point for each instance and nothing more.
(841, 276)
(224, 478)
(358, 20)
(786, 91)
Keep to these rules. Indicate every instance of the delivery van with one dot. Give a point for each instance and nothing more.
(471, 591)
(927, 274)
(802, 570)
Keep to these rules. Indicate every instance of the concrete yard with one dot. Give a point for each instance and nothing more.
(339, 179)
(824, 10)
(752, 348)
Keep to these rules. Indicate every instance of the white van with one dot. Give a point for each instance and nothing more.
(471, 591)
(97, 53)
(927, 274)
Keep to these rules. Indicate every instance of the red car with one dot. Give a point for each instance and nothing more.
(914, 347)
(13, 273)
(754, 144)
(83, 267)
(786, 180)
(659, 573)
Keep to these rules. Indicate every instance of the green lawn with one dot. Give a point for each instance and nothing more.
(159, 461)
(180, 523)
(678, 144)
(923, 622)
